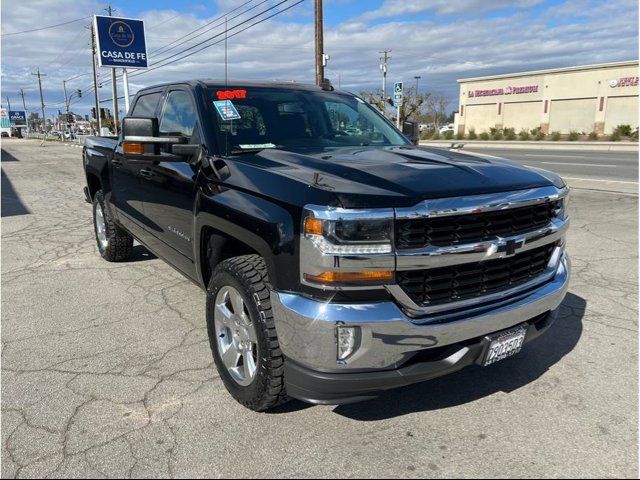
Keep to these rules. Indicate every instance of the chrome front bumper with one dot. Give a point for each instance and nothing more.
(307, 328)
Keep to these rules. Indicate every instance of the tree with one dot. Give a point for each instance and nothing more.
(413, 105)
(436, 107)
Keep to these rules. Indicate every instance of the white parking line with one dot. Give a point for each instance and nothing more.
(551, 155)
(580, 164)
(599, 180)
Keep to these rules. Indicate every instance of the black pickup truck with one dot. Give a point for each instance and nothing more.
(339, 260)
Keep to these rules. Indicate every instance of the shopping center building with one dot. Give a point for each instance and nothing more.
(582, 99)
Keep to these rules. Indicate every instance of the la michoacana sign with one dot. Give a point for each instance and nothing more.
(120, 42)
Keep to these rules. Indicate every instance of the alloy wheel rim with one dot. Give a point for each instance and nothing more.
(236, 336)
(101, 228)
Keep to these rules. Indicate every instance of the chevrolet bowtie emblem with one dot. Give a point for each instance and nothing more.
(510, 246)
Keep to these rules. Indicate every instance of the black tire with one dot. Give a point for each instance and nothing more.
(248, 275)
(119, 244)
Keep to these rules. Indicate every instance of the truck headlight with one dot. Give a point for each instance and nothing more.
(342, 247)
(560, 210)
(340, 237)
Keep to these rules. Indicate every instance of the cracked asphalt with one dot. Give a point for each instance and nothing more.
(106, 368)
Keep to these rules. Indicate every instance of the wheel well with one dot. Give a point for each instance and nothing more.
(93, 182)
(217, 247)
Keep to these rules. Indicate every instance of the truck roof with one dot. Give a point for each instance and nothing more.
(239, 82)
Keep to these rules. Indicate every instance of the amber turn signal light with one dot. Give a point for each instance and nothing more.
(371, 276)
(132, 148)
(312, 226)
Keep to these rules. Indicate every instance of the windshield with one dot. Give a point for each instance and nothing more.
(254, 118)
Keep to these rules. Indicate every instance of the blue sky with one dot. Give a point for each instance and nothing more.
(440, 40)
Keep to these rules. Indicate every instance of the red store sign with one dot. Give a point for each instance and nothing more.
(504, 91)
(624, 82)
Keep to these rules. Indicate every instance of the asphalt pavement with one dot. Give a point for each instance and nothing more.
(616, 166)
(106, 368)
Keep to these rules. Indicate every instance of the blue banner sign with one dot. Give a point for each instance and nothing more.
(18, 118)
(121, 42)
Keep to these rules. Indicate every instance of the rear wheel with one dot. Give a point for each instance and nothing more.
(114, 244)
(242, 333)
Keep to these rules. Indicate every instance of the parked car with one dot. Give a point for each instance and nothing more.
(446, 128)
(337, 263)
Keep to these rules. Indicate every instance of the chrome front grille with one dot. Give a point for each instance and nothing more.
(471, 280)
(450, 230)
(459, 253)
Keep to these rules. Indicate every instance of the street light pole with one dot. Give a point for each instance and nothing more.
(383, 66)
(417, 77)
(95, 79)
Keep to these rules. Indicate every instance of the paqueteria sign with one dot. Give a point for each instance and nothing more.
(121, 42)
(624, 82)
(503, 91)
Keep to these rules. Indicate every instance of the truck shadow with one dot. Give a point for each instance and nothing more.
(476, 382)
(12, 204)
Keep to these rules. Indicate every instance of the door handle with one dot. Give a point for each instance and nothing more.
(116, 163)
(146, 173)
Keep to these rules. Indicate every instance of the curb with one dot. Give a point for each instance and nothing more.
(591, 146)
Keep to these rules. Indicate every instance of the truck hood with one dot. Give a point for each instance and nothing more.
(398, 176)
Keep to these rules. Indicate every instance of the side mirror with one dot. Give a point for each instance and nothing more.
(411, 131)
(140, 127)
(141, 135)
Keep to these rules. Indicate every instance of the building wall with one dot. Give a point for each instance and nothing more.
(585, 99)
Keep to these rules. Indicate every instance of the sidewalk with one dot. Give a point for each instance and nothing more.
(536, 145)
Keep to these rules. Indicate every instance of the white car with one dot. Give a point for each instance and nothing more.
(446, 128)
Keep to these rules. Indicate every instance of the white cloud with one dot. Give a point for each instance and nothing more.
(282, 48)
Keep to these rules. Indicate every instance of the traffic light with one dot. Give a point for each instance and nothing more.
(93, 113)
(79, 93)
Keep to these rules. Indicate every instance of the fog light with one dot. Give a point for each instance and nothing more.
(347, 338)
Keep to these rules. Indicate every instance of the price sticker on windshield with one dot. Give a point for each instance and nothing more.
(227, 110)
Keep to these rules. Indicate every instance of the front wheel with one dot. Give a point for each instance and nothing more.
(114, 244)
(242, 333)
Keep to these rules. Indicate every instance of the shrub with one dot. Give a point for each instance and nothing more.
(624, 130)
(435, 135)
(425, 135)
(484, 136)
(448, 134)
(573, 136)
(540, 134)
(496, 134)
(509, 133)
(459, 136)
(593, 136)
(472, 134)
(634, 135)
(524, 135)
(555, 136)
(615, 136)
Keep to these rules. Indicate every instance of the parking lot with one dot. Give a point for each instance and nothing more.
(107, 372)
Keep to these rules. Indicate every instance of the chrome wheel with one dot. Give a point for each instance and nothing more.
(101, 227)
(236, 336)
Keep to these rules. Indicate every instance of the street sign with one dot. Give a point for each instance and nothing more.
(18, 118)
(121, 42)
(397, 94)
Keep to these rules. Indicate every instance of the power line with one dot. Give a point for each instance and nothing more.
(154, 67)
(164, 48)
(45, 28)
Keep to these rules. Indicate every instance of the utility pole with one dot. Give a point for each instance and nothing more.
(95, 79)
(114, 86)
(8, 103)
(44, 118)
(24, 106)
(320, 57)
(66, 104)
(383, 66)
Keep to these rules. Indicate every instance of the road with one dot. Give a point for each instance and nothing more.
(574, 164)
(106, 368)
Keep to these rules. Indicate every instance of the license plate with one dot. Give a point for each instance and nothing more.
(504, 345)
